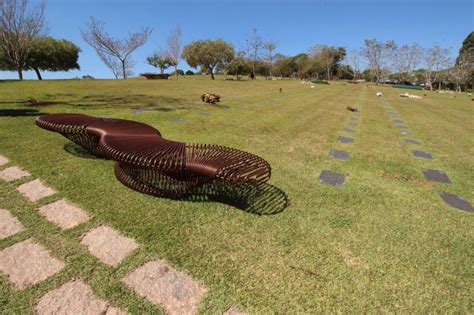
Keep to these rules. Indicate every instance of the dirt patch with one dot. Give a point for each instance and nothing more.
(234, 311)
(35, 190)
(108, 245)
(27, 263)
(409, 180)
(9, 225)
(351, 260)
(64, 214)
(175, 291)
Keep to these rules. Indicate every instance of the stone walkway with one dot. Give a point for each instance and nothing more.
(440, 176)
(27, 262)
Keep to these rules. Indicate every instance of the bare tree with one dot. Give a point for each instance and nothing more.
(406, 59)
(110, 48)
(462, 71)
(378, 55)
(160, 59)
(254, 45)
(435, 59)
(19, 27)
(269, 48)
(175, 47)
(353, 60)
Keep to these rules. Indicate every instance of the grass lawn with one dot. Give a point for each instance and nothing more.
(384, 242)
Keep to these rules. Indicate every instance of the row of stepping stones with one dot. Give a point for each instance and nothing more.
(333, 178)
(440, 176)
(27, 263)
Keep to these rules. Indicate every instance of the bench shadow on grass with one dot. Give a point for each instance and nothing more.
(263, 199)
(78, 151)
(20, 112)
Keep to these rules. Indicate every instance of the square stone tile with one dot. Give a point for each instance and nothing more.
(9, 225)
(159, 283)
(64, 214)
(436, 176)
(12, 173)
(332, 178)
(35, 190)
(455, 201)
(345, 140)
(412, 141)
(108, 245)
(339, 154)
(3, 160)
(74, 297)
(422, 154)
(28, 263)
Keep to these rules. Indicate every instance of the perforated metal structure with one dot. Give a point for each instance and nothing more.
(147, 162)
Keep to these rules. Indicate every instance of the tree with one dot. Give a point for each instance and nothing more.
(328, 57)
(174, 48)
(468, 47)
(435, 59)
(378, 55)
(238, 66)
(113, 51)
(159, 60)
(461, 73)
(207, 54)
(254, 45)
(354, 62)
(406, 59)
(49, 54)
(19, 27)
(269, 48)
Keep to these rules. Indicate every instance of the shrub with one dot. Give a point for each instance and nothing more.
(189, 72)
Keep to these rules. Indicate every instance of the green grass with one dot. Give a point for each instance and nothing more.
(385, 242)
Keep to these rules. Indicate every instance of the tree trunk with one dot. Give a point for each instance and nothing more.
(212, 73)
(38, 74)
(124, 71)
(176, 71)
(20, 74)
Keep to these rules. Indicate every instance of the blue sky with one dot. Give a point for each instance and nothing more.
(295, 25)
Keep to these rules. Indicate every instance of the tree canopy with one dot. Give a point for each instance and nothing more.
(47, 54)
(207, 54)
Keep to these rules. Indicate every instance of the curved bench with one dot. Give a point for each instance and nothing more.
(147, 162)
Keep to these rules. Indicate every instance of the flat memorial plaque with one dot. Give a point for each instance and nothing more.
(422, 154)
(339, 154)
(345, 140)
(436, 176)
(348, 130)
(332, 178)
(412, 141)
(456, 201)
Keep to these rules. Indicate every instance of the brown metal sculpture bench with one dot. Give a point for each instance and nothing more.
(147, 162)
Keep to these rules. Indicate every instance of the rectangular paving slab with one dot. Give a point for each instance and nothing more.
(28, 263)
(332, 178)
(339, 154)
(406, 132)
(64, 214)
(412, 141)
(159, 283)
(455, 201)
(3, 160)
(436, 176)
(345, 139)
(422, 154)
(397, 121)
(74, 297)
(108, 245)
(401, 126)
(9, 225)
(348, 130)
(13, 173)
(35, 190)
